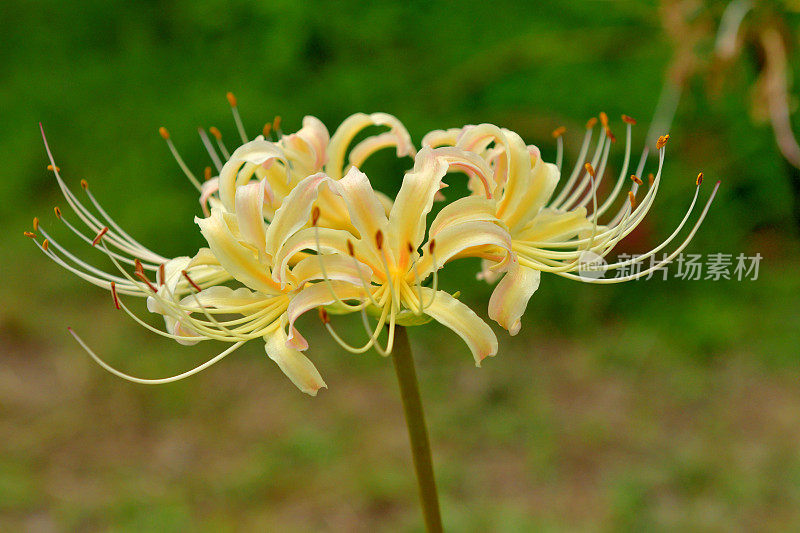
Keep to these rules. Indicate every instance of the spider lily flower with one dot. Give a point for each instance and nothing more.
(189, 292)
(559, 233)
(280, 161)
(383, 251)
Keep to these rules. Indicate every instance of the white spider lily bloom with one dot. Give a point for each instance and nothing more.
(382, 253)
(551, 233)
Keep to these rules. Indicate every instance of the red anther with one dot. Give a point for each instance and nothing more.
(410, 247)
(323, 315)
(379, 239)
(632, 198)
(558, 132)
(57, 211)
(215, 132)
(161, 274)
(191, 281)
(45, 244)
(138, 266)
(629, 120)
(207, 173)
(114, 294)
(699, 180)
(267, 130)
(315, 215)
(590, 169)
(350, 249)
(142, 277)
(51, 167)
(163, 132)
(35, 224)
(231, 99)
(276, 123)
(432, 245)
(662, 141)
(100, 235)
(29, 234)
(636, 179)
(604, 119)
(610, 135)
(651, 178)
(590, 123)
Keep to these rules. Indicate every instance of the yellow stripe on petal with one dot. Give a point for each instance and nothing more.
(293, 363)
(463, 321)
(460, 238)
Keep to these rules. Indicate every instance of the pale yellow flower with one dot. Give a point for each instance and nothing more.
(384, 251)
(552, 233)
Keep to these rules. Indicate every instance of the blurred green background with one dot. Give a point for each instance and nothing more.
(646, 406)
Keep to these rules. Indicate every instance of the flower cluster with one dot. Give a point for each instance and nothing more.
(293, 225)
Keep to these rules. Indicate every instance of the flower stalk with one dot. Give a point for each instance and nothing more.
(417, 430)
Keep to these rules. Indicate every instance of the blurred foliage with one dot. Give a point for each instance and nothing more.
(655, 404)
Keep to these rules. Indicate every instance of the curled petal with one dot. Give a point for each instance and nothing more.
(238, 260)
(329, 240)
(510, 297)
(251, 154)
(407, 219)
(470, 163)
(319, 295)
(208, 189)
(353, 124)
(463, 321)
(337, 267)
(461, 239)
(441, 138)
(249, 205)
(467, 209)
(293, 363)
(293, 213)
(367, 213)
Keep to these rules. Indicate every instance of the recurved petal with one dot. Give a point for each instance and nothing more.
(320, 295)
(293, 213)
(460, 240)
(255, 152)
(463, 321)
(436, 138)
(293, 363)
(466, 209)
(326, 239)
(346, 132)
(407, 219)
(367, 213)
(249, 205)
(510, 297)
(238, 260)
(333, 266)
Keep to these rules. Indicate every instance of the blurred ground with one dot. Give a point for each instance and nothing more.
(652, 406)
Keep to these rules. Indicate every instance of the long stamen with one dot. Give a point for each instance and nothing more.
(159, 381)
(210, 149)
(236, 117)
(587, 137)
(218, 136)
(165, 135)
(559, 134)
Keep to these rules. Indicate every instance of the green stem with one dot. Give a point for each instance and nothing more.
(417, 432)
